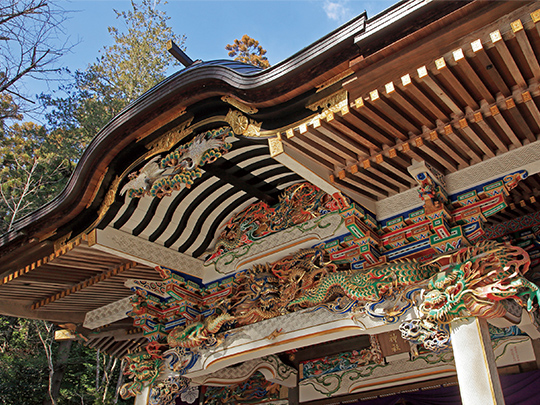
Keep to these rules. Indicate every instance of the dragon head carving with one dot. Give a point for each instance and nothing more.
(476, 281)
(143, 368)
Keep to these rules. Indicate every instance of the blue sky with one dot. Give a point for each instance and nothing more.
(282, 27)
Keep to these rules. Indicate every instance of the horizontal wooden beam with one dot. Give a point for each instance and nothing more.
(84, 284)
(58, 252)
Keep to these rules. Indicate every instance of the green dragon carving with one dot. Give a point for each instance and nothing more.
(143, 367)
(475, 282)
(366, 285)
(195, 334)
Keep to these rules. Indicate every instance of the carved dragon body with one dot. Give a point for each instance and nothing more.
(264, 291)
(143, 368)
(195, 334)
(365, 285)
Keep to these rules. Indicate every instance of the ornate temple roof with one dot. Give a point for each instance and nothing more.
(450, 83)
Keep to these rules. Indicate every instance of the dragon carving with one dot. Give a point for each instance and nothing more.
(297, 204)
(196, 334)
(365, 285)
(143, 368)
(474, 282)
(264, 291)
(477, 279)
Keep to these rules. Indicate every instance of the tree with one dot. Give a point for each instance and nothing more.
(137, 61)
(32, 170)
(35, 163)
(29, 34)
(248, 50)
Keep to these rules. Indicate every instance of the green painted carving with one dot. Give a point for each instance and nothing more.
(477, 279)
(474, 282)
(366, 285)
(197, 333)
(180, 168)
(143, 368)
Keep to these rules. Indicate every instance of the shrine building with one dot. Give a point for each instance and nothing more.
(356, 224)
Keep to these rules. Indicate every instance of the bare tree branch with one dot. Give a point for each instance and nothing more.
(30, 44)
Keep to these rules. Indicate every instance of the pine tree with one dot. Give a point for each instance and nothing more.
(248, 50)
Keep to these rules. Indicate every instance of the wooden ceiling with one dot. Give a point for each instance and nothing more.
(460, 102)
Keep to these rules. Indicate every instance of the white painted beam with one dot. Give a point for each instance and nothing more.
(131, 247)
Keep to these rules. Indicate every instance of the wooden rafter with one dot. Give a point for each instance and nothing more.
(84, 284)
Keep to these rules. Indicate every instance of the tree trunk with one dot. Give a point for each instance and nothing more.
(59, 369)
(120, 381)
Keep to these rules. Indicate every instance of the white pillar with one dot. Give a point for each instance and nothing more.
(475, 363)
(144, 397)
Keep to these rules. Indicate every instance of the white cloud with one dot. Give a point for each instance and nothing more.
(336, 10)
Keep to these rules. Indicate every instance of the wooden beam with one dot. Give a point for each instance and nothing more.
(332, 145)
(360, 181)
(320, 151)
(437, 92)
(84, 284)
(499, 119)
(416, 93)
(307, 153)
(530, 105)
(418, 153)
(441, 143)
(370, 114)
(506, 56)
(474, 137)
(360, 131)
(484, 126)
(460, 143)
(351, 185)
(58, 252)
(377, 101)
(466, 70)
(510, 105)
(352, 142)
(444, 74)
(489, 68)
(374, 179)
(400, 99)
(526, 48)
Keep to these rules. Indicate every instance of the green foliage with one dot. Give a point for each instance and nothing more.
(35, 164)
(137, 61)
(33, 168)
(23, 366)
(24, 370)
(248, 50)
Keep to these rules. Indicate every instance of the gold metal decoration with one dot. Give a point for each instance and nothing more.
(535, 16)
(64, 334)
(238, 104)
(337, 102)
(333, 102)
(241, 125)
(166, 142)
(91, 239)
(60, 242)
(516, 25)
(276, 146)
(109, 198)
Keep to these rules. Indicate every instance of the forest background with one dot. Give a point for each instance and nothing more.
(42, 137)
